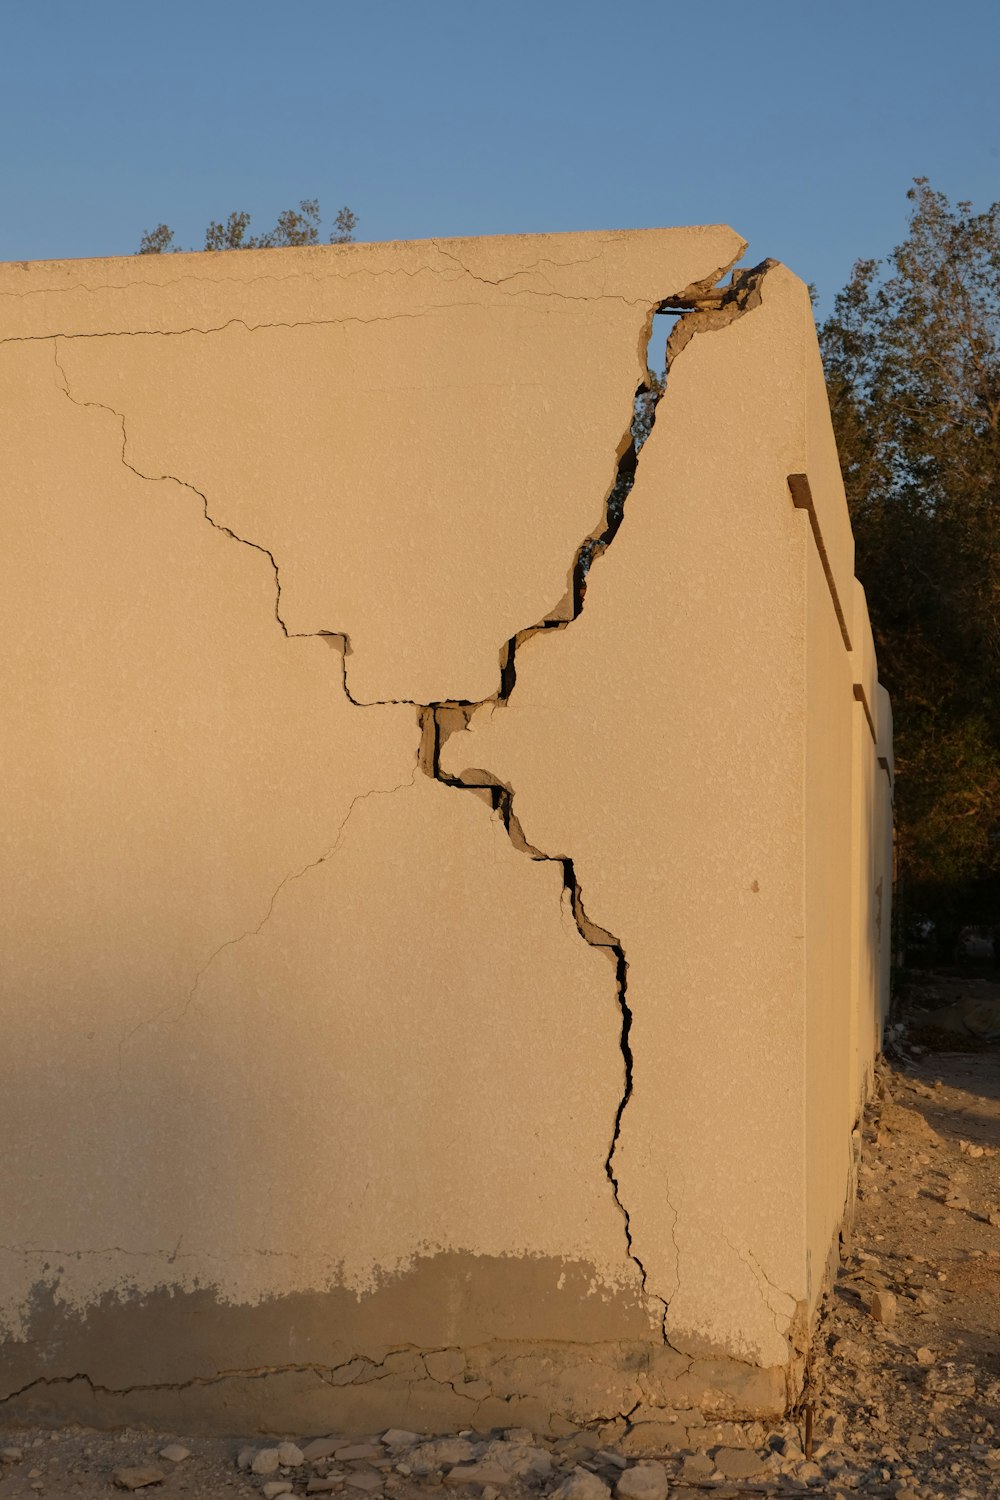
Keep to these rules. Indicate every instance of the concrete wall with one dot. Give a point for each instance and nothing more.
(435, 992)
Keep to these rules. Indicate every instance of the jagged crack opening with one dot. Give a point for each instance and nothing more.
(704, 308)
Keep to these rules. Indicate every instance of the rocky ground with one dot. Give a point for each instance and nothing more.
(904, 1392)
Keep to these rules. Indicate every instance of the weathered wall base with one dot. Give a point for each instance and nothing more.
(329, 1360)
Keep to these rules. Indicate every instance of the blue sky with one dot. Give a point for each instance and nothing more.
(801, 124)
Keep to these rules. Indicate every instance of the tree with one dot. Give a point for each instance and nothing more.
(299, 226)
(912, 354)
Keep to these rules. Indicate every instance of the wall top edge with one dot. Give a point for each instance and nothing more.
(303, 254)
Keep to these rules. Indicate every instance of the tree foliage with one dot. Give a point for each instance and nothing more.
(295, 226)
(912, 353)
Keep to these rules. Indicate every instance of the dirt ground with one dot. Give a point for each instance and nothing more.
(904, 1388)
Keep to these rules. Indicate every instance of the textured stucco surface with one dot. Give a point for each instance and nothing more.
(319, 1081)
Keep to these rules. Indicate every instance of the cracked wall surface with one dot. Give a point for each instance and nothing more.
(338, 1093)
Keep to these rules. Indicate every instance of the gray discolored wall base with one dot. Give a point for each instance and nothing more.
(314, 1362)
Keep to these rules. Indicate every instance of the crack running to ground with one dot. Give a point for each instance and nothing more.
(704, 307)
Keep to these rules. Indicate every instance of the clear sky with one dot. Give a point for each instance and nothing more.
(801, 124)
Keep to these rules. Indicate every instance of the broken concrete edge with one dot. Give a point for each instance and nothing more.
(549, 1388)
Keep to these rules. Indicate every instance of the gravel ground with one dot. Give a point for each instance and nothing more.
(904, 1390)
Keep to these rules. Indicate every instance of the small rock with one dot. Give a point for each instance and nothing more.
(34, 1473)
(357, 1450)
(809, 1472)
(398, 1437)
(318, 1486)
(883, 1308)
(490, 1492)
(609, 1456)
(649, 1438)
(137, 1476)
(644, 1481)
(441, 1454)
(364, 1479)
(478, 1473)
(519, 1435)
(697, 1466)
(11, 1455)
(994, 1219)
(174, 1453)
(580, 1485)
(265, 1462)
(739, 1463)
(276, 1487)
(320, 1448)
(925, 1356)
(245, 1458)
(522, 1460)
(290, 1455)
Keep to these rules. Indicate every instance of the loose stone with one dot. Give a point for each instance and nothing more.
(321, 1448)
(265, 1462)
(174, 1453)
(478, 1473)
(739, 1463)
(645, 1481)
(290, 1455)
(137, 1476)
(580, 1485)
(364, 1479)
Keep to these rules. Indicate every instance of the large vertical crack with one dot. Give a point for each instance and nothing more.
(704, 307)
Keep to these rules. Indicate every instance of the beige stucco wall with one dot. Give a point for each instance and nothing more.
(428, 1104)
